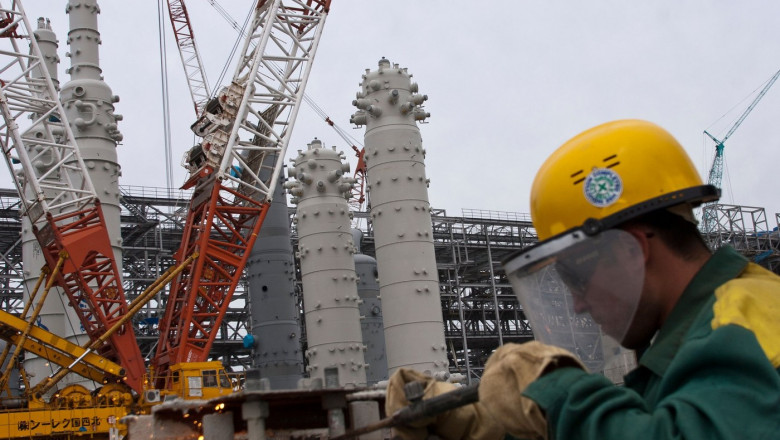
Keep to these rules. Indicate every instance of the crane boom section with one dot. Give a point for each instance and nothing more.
(716, 171)
(57, 193)
(751, 106)
(57, 349)
(190, 57)
(245, 131)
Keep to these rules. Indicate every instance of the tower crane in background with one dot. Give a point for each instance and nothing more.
(246, 129)
(715, 176)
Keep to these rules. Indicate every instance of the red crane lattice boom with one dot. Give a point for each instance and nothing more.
(60, 199)
(234, 170)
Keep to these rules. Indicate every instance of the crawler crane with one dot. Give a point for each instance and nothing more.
(60, 200)
(245, 130)
(58, 197)
(234, 170)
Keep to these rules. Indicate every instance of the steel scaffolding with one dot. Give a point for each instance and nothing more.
(480, 310)
(745, 228)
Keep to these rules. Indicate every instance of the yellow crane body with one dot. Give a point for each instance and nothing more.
(65, 423)
(58, 350)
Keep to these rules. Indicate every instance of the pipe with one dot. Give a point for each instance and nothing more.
(419, 410)
(14, 403)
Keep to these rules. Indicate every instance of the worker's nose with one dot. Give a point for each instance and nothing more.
(580, 306)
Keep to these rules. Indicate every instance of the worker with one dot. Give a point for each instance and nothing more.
(620, 256)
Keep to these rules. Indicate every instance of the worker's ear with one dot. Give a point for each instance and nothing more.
(643, 235)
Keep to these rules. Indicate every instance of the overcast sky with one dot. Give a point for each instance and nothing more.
(508, 82)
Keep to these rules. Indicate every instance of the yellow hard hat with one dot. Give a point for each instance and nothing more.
(610, 174)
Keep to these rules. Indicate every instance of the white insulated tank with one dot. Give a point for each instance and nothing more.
(52, 316)
(89, 108)
(389, 106)
(325, 247)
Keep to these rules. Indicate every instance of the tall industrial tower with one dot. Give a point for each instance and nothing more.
(52, 316)
(270, 271)
(370, 312)
(389, 106)
(89, 106)
(330, 296)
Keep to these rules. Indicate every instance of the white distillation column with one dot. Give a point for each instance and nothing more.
(330, 298)
(390, 107)
(370, 312)
(270, 271)
(89, 107)
(52, 315)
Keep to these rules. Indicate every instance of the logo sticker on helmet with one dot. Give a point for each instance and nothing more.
(602, 187)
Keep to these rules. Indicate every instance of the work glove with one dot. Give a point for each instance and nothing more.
(467, 422)
(507, 373)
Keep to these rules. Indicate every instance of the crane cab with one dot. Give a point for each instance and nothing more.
(194, 380)
(200, 380)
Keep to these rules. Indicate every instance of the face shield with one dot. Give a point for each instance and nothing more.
(578, 291)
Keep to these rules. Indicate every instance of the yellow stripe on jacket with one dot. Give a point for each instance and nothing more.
(752, 301)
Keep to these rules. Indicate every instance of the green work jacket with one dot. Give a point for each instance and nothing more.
(710, 373)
